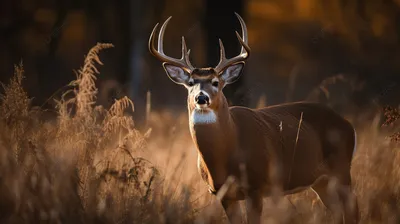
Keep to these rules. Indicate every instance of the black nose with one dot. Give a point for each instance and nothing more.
(202, 99)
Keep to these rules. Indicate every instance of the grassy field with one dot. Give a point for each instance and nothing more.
(91, 165)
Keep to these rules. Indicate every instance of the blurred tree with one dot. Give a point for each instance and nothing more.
(221, 22)
(143, 14)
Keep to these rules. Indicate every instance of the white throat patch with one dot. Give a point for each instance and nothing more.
(203, 117)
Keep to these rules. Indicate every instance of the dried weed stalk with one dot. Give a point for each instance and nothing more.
(115, 118)
(86, 81)
(14, 109)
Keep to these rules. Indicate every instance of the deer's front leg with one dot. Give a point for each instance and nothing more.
(232, 210)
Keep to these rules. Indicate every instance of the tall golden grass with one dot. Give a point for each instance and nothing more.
(91, 165)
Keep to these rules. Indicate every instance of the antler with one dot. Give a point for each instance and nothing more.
(183, 63)
(244, 53)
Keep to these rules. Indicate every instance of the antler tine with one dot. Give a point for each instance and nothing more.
(183, 63)
(151, 41)
(161, 36)
(245, 39)
(185, 54)
(222, 51)
(244, 53)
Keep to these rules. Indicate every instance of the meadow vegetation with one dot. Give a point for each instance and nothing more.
(92, 165)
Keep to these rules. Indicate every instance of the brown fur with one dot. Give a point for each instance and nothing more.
(253, 137)
(277, 151)
(279, 148)
(203, 71)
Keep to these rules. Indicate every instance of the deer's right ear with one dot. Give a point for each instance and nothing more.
(176, 74)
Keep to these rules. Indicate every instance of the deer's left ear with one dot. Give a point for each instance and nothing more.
(232, 73)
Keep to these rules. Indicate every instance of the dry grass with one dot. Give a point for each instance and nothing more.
(91, 165)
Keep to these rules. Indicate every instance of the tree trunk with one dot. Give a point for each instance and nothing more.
(143, 14)
(221, 22)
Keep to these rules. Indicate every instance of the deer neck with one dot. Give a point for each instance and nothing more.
(213, 134)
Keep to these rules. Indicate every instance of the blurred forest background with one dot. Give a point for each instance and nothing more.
(301, 49)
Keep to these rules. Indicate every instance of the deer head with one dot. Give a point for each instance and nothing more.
(204, 85)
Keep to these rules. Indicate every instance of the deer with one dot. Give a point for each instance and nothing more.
(291, 146)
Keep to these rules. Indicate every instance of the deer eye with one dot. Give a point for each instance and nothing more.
(215, 83)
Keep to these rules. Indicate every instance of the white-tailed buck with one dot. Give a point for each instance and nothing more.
(294, 146)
